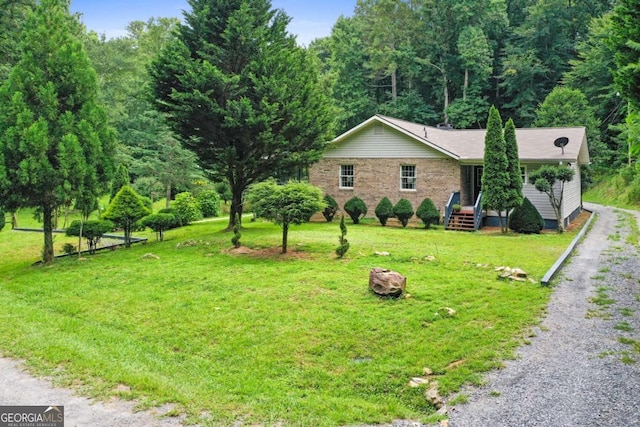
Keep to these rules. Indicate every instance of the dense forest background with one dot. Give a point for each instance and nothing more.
(540, 62)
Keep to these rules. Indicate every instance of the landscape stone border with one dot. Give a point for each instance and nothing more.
(563, 258)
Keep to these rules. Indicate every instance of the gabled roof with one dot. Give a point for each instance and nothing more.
(467, 146)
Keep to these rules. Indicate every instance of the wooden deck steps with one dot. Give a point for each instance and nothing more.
(461, 221)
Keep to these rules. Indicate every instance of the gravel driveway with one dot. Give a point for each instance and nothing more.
(575, 373)
(581, 369)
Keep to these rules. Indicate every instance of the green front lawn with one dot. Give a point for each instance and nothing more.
(266, 338)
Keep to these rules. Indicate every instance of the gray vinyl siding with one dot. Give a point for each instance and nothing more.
(570, 202)
(389, 143)
(572, 189)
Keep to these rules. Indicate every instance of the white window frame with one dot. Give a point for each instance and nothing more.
(344, 176)
(523, 174)
(408, 182)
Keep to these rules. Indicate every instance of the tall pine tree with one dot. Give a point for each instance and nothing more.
(241, 94)
(514, 196)
(53, 133)
(495, 176)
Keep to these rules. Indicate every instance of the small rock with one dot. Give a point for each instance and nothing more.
(430, 258)
(442, 411)
(150, 256)
(444, 423)
(418, 381)
(382, 253)
(446, 312)
(433, 397)
(427, 371)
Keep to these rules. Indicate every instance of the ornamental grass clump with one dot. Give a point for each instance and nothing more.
(356, 208)
(428, 213)
(403, 210)
(384, 211)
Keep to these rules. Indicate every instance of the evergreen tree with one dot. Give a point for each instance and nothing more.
(125, 210)
(241, 94)
(428, 213)
(292, 203)
(495, 176)
(53, 133)
(514, 195)
(550, 179)
(384, 210)
(120, 179)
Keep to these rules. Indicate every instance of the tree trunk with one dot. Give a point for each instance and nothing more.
(47, 252)
(446, 96)
(127, 236)
(466, 84)
(394, 85)
(285, 236)
(236, 209)
(168, 195)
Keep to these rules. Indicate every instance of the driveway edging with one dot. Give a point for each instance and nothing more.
(563, 258)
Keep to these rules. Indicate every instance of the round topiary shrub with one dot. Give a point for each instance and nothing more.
(188, 207)
(356, 208)
(159, 222)
(403, 210)
(209, 203)
(526, 219)
(92, 230)
(177, 222)
(428, 213)
(384, 210)
(332, 208)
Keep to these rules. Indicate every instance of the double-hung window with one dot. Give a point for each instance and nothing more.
(408, 177)
(346, 176)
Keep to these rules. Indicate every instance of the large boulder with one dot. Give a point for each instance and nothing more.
(387, 283)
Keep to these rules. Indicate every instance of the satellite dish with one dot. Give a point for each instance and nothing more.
(561, 142)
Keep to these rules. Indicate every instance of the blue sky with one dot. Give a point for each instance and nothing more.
(310, 19)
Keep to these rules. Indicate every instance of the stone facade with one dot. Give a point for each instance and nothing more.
(378, 178)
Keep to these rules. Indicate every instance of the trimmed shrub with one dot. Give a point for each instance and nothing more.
(403, 210)
(526, 219)
(188, 207)
(342, 249)
(356, 208)
(159, 222)
(177, 222)
(92, 230)
(428, 213)
(384, 210)
(332, 208)
(209, 203)
(125, 210)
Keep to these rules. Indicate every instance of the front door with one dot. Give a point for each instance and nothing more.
(477, 182)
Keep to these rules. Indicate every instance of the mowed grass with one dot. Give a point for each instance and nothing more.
(264, 338)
